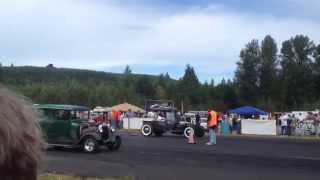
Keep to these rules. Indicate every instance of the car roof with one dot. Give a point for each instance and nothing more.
(189, 114)
(162, 109)
(62, 107)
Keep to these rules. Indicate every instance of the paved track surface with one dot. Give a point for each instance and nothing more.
(169, 157)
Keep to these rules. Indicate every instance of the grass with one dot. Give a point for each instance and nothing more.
(66, 177)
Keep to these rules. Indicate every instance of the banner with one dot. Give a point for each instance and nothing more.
(258, 127)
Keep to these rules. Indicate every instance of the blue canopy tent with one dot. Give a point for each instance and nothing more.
(247, 111)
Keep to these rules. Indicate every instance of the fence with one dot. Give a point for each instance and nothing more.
(257, 127)
(133, 123)
(269, 127)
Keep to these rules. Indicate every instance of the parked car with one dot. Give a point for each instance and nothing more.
(69, 126)
(163, 117)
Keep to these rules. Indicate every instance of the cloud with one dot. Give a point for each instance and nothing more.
(98, 34)
(305, 8)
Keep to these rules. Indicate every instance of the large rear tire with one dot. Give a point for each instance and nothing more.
(199, 132)
(146, 130)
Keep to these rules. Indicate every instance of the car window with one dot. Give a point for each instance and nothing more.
(83, 115)
(41, 114)
(46, 115)
(170, 116)
(62, 115)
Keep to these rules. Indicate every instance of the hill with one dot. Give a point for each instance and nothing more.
(83, 87)
(95, 88)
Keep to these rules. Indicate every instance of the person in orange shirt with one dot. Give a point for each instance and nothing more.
(212, 124)
(115, 118)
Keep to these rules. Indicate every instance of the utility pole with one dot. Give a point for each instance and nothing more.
(182, 108)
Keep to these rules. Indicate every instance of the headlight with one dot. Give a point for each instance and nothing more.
(100, 128)
(113, 129)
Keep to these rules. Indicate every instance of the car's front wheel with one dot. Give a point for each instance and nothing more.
(89, 145)
(187, 131)
(146, 130)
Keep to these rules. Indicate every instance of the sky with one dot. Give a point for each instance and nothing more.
(151, 36)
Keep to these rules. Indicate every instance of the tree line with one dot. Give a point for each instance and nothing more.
(285, 80)
(265, 77)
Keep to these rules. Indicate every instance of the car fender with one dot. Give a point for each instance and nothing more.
(94, 135)
(145, 120)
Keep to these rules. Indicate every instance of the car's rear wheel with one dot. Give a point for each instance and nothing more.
(199, 131)
(146, 130)
(187, 131)
(89, 145)
(115, 145)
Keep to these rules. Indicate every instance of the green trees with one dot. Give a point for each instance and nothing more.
(316, 71)
(267, 73)
(247, 74)
(296, 71)
(145, 88)
(292, 85)
(189, 87)
(0, 71)
(127, 70)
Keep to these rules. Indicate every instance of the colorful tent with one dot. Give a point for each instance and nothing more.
(126, 107)
(247, 111)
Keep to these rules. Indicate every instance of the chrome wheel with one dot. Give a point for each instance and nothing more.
(89, 145)
(146, 130)
(187, 131)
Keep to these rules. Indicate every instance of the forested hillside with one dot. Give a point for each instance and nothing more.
(92, 88)
(72, 86)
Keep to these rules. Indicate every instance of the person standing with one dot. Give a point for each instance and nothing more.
(225, 126)
(212, 126)
(289, 125)
(129, 116)
(121, 119)
(230, 120)
(284, 124)
(114, 116)
(118, 114)
(198, 119)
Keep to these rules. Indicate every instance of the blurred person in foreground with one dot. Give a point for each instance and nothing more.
(212, 126)
(20, 138)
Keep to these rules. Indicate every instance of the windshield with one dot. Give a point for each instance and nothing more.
(170, 116)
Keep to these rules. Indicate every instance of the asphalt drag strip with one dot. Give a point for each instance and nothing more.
(170, 157)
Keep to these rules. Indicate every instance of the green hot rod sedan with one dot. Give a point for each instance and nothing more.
(69, 126)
